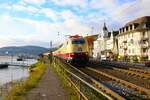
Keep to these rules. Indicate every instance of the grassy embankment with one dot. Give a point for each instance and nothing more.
(20, 89)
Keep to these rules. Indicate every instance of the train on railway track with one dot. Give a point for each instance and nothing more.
(73, 50)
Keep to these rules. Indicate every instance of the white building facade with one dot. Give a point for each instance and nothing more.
(100, 43)
(149, 45)
(105, 45)
(133, 40)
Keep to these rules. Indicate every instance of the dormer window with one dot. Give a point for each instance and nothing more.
(136, 25)
(147, 25)
(123, 30)
(127, 28)
(130, 27)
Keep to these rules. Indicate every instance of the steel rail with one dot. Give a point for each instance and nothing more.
(135, 87)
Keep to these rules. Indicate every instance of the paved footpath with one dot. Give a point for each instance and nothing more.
(48, 88)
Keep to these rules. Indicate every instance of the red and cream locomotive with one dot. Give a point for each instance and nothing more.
(74, 50)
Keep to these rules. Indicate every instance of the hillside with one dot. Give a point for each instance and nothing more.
(22, 50)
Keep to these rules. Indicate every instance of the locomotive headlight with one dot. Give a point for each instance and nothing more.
(72, 55)
(86, 53)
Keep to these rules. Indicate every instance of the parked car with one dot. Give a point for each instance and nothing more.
(147, 64)
(103, 57)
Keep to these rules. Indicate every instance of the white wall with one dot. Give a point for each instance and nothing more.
(149, 45)
(132, 48)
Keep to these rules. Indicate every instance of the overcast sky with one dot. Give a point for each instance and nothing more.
(36, 22)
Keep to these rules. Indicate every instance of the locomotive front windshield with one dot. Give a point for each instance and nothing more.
(78, 41)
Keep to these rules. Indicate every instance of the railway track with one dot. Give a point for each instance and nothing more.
(113, 83)
(124, 88)
(107, 92)
(134, 77)
(120, 65)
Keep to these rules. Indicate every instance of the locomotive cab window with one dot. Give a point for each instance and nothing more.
(78, 41)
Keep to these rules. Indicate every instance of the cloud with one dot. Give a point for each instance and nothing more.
(116, 14)
(130, 11)
(69, 26)
(64, 16)
(79, 3)
(67, 14)
(103, 4)
(12, 30)
(20, 7)
(34, 31)
(37, 2)
(27, 9)
(50, 13)
(11, 26)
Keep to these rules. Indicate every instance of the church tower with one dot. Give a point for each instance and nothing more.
(105, 31)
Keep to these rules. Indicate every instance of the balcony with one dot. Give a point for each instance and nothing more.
(144, 54)
(144, 45)
(144, 37)
(125, 41)
(125, 48)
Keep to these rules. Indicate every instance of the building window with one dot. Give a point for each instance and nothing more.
(129, 51)
(143, 33)
(130, 27)
(128, 35)
(144, 50)
(147, 25)
(129, 44)
(132, 41)
(132, 50)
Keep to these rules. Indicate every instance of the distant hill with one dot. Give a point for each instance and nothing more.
(22, 50)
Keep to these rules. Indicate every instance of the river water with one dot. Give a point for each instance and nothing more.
(14, 72)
